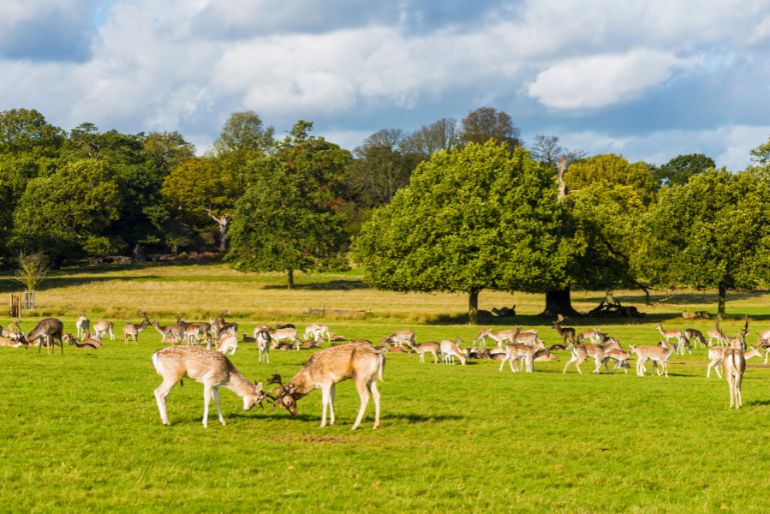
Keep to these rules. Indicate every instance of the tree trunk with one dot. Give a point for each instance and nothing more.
(473, 307)
(291, 278)
(722, 300)
(557, 302)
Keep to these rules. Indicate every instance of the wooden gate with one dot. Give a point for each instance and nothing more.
(14, 310)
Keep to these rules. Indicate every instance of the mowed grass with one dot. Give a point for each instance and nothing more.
(82, 432)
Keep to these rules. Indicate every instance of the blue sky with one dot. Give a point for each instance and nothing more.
(649, 80)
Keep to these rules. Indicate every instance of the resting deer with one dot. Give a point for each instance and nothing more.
(263, 340)
(429, 347)
(717, 354)
(734, 365)
(317, 333)
(104, 327)
(131, 331)
(451, 349)
(210, 368)
(9, 342)
(73, 341)
(566, 333)
(45, 332)
(359, 361)
(581, 352)
(402, 337)
(83, 324)
(659, 355)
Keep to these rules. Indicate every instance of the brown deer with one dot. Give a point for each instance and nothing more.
(566, 333)
(359, 361)
(45, 332)
(210, 368)
(131, 331)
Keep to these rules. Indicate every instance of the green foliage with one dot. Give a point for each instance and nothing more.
(487, 123)
(58, 214)
(470, 219)
(244, 131)
(27, 131)
(713, 231)
(32, 270)
(678, 170)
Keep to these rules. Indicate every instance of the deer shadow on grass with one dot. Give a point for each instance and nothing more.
(332, 285)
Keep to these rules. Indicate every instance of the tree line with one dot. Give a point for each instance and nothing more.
(453, 206)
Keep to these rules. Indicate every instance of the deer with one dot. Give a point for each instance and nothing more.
(326, 368)
(734, 366)
(402, 337)
(659, 354)
(566, 333)
(210, 368)
(279, 335)
(83, 324)
(12, 332)
(219, 325)
(45, 332)
(517, 352)
(73, 341)
(499, 337)
(620, 357)
(169, 332)
(594, 335)
(682, 344)
(716, 334)
(190, 332)
(692, 334)
(670, 334)
(10, 342)
(581, 352)
(451, 349)
(104, 327)
(429, 347)
(131, 331)
(227, 344)
(263, 339)
(317, 333)
(717, 354)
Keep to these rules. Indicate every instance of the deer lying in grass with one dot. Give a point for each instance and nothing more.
(9, 342)
(659, 355)
(717, 353)
(359, 361)
(402, 337)
(73, 341)
(210, 368)
(734, 366)
(429, 347)
(280, 335)
(451, 349)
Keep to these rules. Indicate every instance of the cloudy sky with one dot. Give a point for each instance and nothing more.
(649, 80)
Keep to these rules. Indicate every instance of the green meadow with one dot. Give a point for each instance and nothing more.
(81, 432)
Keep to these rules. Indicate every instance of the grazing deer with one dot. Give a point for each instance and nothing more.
(210, 368)
(620, 358)
(429, 347)
(83, 324)
(104, 327)
(45, 332)
(227, 344)
(499, 337)
(169, 333)
(131, 331)
(317, 333)
(451, 349)
(659, 355)
(734, 366)
(716, 334)
(263, 340)
(670, 334)
(581, 352)
(717, 354)
(359, 361)
(682, 344)
(402, 337)
(692, 334)
(566, 333)
(517, 352)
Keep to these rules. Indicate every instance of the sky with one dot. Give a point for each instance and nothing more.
(648, 80)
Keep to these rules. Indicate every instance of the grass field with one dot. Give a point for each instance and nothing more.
(82, 433)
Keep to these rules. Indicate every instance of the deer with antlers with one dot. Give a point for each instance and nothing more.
(131, 331)
(326, 368)
(716, 334)
(45, 332)
(210, 368)
(566, 333)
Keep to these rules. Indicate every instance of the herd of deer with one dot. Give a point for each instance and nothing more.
(364, 363)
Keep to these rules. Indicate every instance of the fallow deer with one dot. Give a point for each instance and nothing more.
(581, 352)
(670, 334)
(73, 341)
(716, 334)
(263, 339)
(500, 337)
(46, 332)
(659, 355)
(566, 333)
(716, 355)
(227, 344)
(208, 367)
(734, 366)
(692, 334)
(82, 324)
(593, 335)
(428, 347)
(402, 337)
(317, 333)
(169, 333)
(104, 327)
(359, 361)
(451, 349)
(131, 331)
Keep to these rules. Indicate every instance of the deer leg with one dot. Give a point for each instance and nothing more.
(597, 365)
(324, 403)
(332, 391)
(207, 392)
(215, 394)
(161, 393)
(376, 396)
(364, 395)
(567, 364)
(738, 393)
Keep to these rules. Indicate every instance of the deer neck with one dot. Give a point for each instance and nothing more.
(303, 384)
(239, 384)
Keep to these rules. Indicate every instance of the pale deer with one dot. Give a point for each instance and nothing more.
(45, 332)
(263, 340)
(359, 361)
(218, 325)
(82, 324)
(9, 342)
(733, 366)
(620, 358)
(581, 352)
(659, 355)
(451, 349)
(593, 335)
(518, 352)
(670, 334)
(131, 331)
(208, 367)
(682, 344)
(190, 332)
(429, 347)
(227, 344)
(402, 337)
(716, 334)
(280, 335)
(104, 327)
(73, 341)
(317, 333)
(169, 333)
(93, 340)
(500, 337)
(717, 354)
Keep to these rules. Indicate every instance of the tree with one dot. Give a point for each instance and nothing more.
(244, 132)
(168, 150)
(429, 139)
(681, 168)
(472, 219)
(712, 232)
(26, 130)
(487, 123)
(289, 218)
(547, 150)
